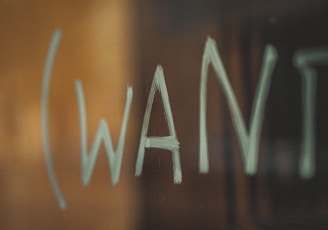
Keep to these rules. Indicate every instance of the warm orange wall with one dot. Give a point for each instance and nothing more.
(97, 48)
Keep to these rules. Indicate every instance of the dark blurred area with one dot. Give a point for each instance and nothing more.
(174, 34)
(109, 45)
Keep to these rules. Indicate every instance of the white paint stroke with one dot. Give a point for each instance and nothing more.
(171, 142)
(248, 141)
(302, 60)
(88, 160)
(45, 89)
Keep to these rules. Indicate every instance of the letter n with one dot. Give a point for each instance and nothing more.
(171, 142)
(248, 141)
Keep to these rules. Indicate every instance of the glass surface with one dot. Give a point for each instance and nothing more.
(163, 114)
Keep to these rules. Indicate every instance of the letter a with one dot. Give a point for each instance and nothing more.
(171, 142)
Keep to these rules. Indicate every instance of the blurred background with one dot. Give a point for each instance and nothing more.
(111, 44)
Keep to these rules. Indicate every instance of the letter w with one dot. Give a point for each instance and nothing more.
(103, 133)
(249, 142)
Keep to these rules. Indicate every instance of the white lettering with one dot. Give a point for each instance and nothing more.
(114, 157)
(248, 142)
(54, 43)
(171, 142)
(302, 60)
